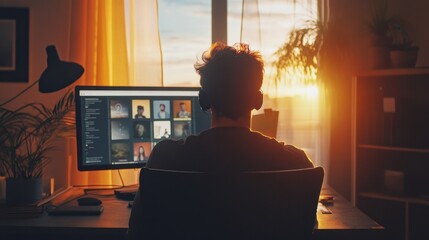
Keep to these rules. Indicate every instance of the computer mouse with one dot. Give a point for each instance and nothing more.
(89, 201)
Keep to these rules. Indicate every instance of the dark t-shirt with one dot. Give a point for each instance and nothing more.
(227, 149)
(219, 149)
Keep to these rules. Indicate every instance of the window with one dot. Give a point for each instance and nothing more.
(185, 30)
(265, 25)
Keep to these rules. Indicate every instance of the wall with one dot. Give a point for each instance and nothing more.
(50, 21)
(350, 16)
(415, 13)
(49, 24)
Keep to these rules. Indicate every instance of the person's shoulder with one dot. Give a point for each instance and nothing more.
(294, 150)
(265, 138)
(298, 155)
(163, 152)
(168, 143)
(165, 148)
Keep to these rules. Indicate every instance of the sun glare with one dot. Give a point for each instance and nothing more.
(296, 82)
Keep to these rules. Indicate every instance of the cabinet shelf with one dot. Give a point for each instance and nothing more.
(390, 132)
(389, 148)
(395, 72)
(396, 198)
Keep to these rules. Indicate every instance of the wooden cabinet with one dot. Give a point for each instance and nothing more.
(390, 152)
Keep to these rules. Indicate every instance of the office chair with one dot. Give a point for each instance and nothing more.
(247, 205)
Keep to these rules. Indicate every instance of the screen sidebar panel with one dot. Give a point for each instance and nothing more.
(93, 126)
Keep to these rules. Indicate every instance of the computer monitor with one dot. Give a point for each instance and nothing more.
(117, 127)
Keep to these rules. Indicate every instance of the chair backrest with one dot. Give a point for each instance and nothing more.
(247, 205)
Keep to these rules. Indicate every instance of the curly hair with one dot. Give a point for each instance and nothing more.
(231, 76)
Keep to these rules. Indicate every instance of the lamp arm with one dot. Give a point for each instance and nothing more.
(19, 94)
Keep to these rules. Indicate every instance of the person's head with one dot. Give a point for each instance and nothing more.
(182, 106)
(140, 109)
(140, 129)
(141, 149)
(162, 107)
(231, 79)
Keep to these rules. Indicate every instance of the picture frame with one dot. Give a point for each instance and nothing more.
(14, 44)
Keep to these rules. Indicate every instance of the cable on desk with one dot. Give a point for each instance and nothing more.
(106, 187)
(66, 196)
(120, 176)
(98, 188)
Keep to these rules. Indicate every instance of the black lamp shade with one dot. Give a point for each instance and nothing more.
(59, 74)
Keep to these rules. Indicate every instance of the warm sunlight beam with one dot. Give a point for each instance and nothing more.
(295, 82)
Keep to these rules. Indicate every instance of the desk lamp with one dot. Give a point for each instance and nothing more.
(58, 75)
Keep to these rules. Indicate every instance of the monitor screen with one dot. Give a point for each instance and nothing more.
(117, 127)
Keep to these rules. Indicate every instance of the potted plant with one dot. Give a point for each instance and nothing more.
(301, 50)
(378, 26)
(26, 137)
(403, 52)
(317, 51)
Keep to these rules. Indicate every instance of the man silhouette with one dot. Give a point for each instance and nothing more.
(230, 78)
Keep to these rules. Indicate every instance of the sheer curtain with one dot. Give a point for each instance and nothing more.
(304, 112)
(103, 37)
(144, 43)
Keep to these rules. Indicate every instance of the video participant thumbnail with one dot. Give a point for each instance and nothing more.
(142, 151)
(182, 109)
(182, 129)
(120, 130)
(142, 130)
(161, 109)
(121, 152)
(141, 109)
(119, 108)
(161, 129)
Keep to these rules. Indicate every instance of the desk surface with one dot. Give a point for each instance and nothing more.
(345, 221)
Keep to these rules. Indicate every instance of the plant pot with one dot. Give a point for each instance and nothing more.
(379, 51)
(2, 188)
(21, 191)
(403, 58)
(380, 58)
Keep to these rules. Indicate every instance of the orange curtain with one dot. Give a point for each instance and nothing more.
(98, 42)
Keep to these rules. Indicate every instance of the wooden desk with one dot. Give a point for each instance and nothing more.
(345, 222)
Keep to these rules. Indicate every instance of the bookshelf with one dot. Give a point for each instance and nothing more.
(390, 149)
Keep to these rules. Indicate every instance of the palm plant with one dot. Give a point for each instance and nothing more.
(301, 51)
(26, 136)
(399, 35)
(317, 51)
(379, 22)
